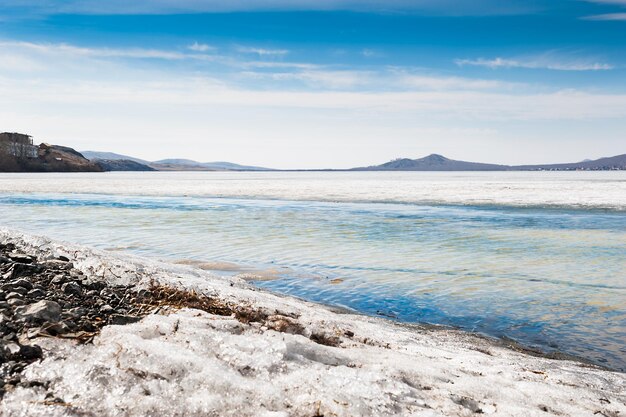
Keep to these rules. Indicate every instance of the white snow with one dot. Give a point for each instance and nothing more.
(191, 363)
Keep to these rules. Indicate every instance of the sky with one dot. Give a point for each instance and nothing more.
(318, 84)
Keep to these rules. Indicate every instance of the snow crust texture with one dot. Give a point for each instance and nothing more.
(191, 363)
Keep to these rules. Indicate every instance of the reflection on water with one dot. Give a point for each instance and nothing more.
(552, 278)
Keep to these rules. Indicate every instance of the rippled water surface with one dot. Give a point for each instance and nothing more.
(536, 257)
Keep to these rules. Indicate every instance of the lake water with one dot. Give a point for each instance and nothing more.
(538, 257)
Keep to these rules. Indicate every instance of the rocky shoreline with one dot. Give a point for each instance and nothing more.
(51, 298)
(89, 333)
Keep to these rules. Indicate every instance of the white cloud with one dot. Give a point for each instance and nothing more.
(544, 62)
(319, 78)
(422, 82)
(618, 2)
(262, 51)
(62, 49)
(200, 47)
(607, 16)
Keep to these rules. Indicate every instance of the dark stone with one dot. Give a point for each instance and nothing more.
(43, 310)
(24, 270)
(36, 293)
(30, 352)
(119, 319)
(23, 283)
(24, 259)
(13, 295)
(106, 309)
(72, 288)
(59, 279)
(56, 329)
(16, 302)
(17, 290)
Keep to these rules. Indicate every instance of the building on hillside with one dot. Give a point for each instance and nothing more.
(18, 145)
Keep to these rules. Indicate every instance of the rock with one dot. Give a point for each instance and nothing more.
(59, 279)
(88, 327)
(24, 270)
(43, 310)
(30, 352)
(21, 258)
(63, 258)
(78, 312)
(18, 290)
(119, 319)
(72, 288)
(13, 295)
(16, 302)
(11, 348)
(36, 293)
(23, 283)
(106, 309)
(56, 329)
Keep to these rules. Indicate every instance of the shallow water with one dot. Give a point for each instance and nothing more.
(536, 257)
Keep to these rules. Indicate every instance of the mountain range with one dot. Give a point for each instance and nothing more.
(129, 163)
(436, 162)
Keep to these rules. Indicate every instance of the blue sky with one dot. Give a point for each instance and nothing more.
(327, 83)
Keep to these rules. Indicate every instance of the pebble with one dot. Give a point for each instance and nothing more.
(43, 310)
(72, 288)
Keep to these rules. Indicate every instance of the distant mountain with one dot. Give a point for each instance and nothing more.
(433, 162)
(111, 156)
(436, 162)
(603, 164)
(122, 165)
(164, 164)
(189, 165)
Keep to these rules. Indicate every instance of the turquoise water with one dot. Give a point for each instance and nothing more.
(552, 278)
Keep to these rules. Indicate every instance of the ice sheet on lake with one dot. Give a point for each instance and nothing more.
(594, 189)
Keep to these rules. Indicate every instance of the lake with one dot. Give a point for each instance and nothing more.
(538, 257)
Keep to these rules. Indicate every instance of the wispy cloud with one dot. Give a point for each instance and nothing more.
(262, 51)
(368, 53)
(427, 82)
(617, 2)
(62, 49)
(200, 47)
(320, 79)
(536, 63)
(607, 16)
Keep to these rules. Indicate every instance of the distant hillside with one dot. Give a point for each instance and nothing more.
(110, 156)
(165, 164)
(189, 165)
(436, 162)
(122, 165)
(432, 162)
(603, 164)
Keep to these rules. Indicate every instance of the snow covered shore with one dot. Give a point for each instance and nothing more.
(191, 363)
